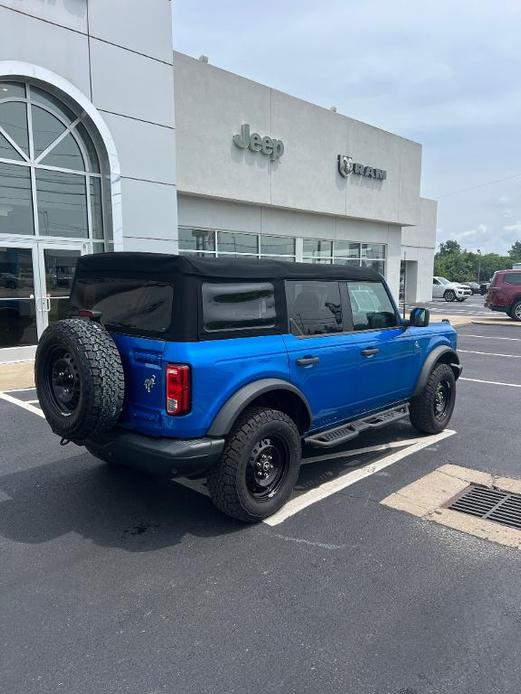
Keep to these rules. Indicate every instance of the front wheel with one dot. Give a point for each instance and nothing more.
(259, 466)
(449, 295)
(431, 410)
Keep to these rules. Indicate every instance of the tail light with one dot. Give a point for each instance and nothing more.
(178, 389)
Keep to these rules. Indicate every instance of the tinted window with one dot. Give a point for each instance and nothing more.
(371, 306)
(513, 278)
(238, 306)
(136, 304)
(314, 308)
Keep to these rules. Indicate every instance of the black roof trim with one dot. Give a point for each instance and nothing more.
(151, 264)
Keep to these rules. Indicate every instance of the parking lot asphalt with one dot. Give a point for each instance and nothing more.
(111, 581)
(473, 306)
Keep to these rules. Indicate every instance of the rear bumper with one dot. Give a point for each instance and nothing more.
(172, 457)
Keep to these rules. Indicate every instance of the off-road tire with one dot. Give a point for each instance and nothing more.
(227, 481)
(515, 308)
(449, 295)
(422, 406)
(99, 373)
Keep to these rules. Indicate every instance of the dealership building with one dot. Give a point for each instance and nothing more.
(99, 152)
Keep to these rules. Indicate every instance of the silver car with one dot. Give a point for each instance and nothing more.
(450, 291)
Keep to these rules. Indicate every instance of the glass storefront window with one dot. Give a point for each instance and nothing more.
(235, 242)
(378, 265)
(13, 119)
(196, 239)
(317, 248)
(46, 128)
(373, 250)
(346, 249)
(66, 179)
(16, 206)
(277, 245)
(66, 155)
(62, 204)
(11, 90)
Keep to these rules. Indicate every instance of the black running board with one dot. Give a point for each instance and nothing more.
(346, 432)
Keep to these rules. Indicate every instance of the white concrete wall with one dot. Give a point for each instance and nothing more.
(418, 245)
(221, 214)
(119, 55)
(211, 105)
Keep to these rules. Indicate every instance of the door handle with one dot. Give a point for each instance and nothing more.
(307, 361)
(369, 351)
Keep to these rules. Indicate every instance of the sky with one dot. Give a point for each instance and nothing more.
(445, 73)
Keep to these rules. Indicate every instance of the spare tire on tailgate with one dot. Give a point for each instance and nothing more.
(79, 379)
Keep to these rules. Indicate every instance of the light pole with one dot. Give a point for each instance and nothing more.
(479, 264)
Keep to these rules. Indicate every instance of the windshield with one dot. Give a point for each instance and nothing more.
(442, 280)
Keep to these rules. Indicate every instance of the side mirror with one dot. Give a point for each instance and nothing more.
(420, 317)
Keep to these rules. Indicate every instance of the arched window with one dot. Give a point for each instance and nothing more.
(51, 183)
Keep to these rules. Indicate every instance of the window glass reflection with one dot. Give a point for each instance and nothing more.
(66, 155)
(46, 128)
(62, 204)
(16, 210)
(13, 119)
(7, 151)
(17, 323)
(16, 273)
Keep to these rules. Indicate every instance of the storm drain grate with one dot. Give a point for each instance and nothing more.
(492, 504)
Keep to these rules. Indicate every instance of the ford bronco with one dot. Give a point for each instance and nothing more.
(222, 368)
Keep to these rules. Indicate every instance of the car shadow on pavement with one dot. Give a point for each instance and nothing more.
(112, 507)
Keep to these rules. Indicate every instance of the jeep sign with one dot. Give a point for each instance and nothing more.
(255, 143)
(346, 167)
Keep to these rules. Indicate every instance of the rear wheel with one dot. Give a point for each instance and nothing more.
(259, 466)
(431, 410)
(515, 311)
(449, 295)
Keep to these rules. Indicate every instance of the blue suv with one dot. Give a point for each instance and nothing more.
(224, 367)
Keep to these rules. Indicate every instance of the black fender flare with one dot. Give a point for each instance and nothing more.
(449, 356)
(233, 407)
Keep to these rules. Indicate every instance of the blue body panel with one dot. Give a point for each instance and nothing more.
(341, 386)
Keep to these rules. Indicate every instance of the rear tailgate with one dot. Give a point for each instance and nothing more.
(144, 406)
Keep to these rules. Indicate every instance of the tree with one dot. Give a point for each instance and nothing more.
(515, 252)
(449, 248)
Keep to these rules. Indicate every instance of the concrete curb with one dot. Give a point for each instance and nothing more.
(17, 374)
(505, 322)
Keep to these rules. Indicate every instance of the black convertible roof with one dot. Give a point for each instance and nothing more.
(153, 264)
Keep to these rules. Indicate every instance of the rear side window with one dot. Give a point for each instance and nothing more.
(135, 304)
(238, 306)
(314, 308)
(371, 306)
(513, 278)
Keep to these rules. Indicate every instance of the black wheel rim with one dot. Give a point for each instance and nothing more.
(267, 467)
(64, 381)
(442, 399)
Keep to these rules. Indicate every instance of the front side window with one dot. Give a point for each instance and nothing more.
(238, 306)
(314, 308)
(371, 306)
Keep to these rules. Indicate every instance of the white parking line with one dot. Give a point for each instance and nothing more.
(490, 337)
(490, 354)
(25, 405)
(492, 383)
(324, 490)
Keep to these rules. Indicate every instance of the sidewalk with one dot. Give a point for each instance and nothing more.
(18, 374)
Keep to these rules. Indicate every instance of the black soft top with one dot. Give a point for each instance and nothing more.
(152, 265)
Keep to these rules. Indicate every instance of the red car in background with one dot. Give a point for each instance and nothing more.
(504, 293)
